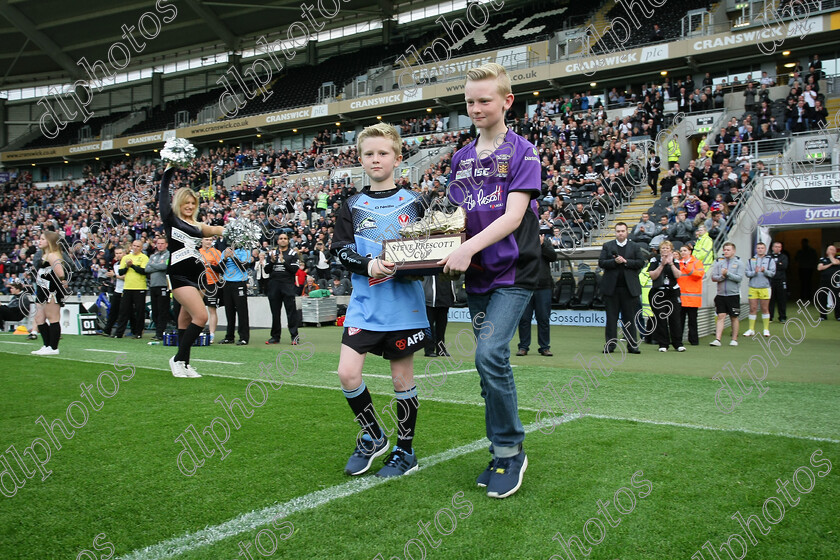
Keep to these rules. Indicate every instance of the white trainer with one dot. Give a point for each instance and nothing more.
(681, 349)
(190, 371)
(766, 333)
(663, 349)
(733, 343)
(39, 351)
(178, 369)
(715, 342)
(749, 333)
(48, 351)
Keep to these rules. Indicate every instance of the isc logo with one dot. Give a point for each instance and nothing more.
(481, 171)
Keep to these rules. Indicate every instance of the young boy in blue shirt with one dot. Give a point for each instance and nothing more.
(386, 315)
(496, 179)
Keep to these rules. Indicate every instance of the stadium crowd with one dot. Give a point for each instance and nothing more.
(590, 165)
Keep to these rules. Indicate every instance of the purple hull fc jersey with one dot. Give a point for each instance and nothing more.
(481, 186)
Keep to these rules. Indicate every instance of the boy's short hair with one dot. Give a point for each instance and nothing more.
(729, 243)
(489, 71)
(380, 130)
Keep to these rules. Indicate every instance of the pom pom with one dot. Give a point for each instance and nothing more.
(242, 233)
(178, 151)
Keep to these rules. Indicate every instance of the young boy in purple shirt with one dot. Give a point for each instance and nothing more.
(496, 179)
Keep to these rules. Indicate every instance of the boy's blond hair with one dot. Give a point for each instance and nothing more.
(489, 71)
(380, 130)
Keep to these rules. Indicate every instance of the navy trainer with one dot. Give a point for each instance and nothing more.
(366, 451)
(400, 462)
(506, 477)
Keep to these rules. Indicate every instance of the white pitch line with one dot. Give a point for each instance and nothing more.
(377, 376)
(712, 428)
(111, 351)
(259, 518)
(525, 408)
(10, 342)
(217, 361)
(442, 374)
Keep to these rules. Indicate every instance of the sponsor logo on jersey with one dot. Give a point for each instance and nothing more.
(353, 330)
(503, 169)
(463, 174)
(491, 200)
(401, 344)
(403, 219)
(367, 223)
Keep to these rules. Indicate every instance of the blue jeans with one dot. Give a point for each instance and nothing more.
(501, 309)
(541, 305)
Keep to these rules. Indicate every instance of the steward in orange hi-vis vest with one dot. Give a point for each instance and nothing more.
(691, 282)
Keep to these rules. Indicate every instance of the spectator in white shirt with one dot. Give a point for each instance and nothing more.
(767, 80)
(810, 96)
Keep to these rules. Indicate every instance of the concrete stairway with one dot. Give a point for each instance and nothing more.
(630, 214)
(832, 105)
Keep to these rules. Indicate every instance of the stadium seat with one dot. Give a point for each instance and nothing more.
(564, 290)
(598, 300)
(585, 292)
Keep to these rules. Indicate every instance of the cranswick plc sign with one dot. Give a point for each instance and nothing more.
(389, 99)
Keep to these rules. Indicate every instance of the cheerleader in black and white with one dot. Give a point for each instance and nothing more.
(51, 287)
(186, 269)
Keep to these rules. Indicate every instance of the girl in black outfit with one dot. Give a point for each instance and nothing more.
(185, 269)
(49, 294)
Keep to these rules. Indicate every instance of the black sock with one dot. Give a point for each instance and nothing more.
(44, 331)
(407, 405)
(362, 407)
(55, 334)
(185, 342)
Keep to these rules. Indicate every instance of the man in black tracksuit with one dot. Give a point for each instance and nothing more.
(540, 303)
(282, 267)
(778, 284)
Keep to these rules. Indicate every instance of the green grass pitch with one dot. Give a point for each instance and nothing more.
(653, 443)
